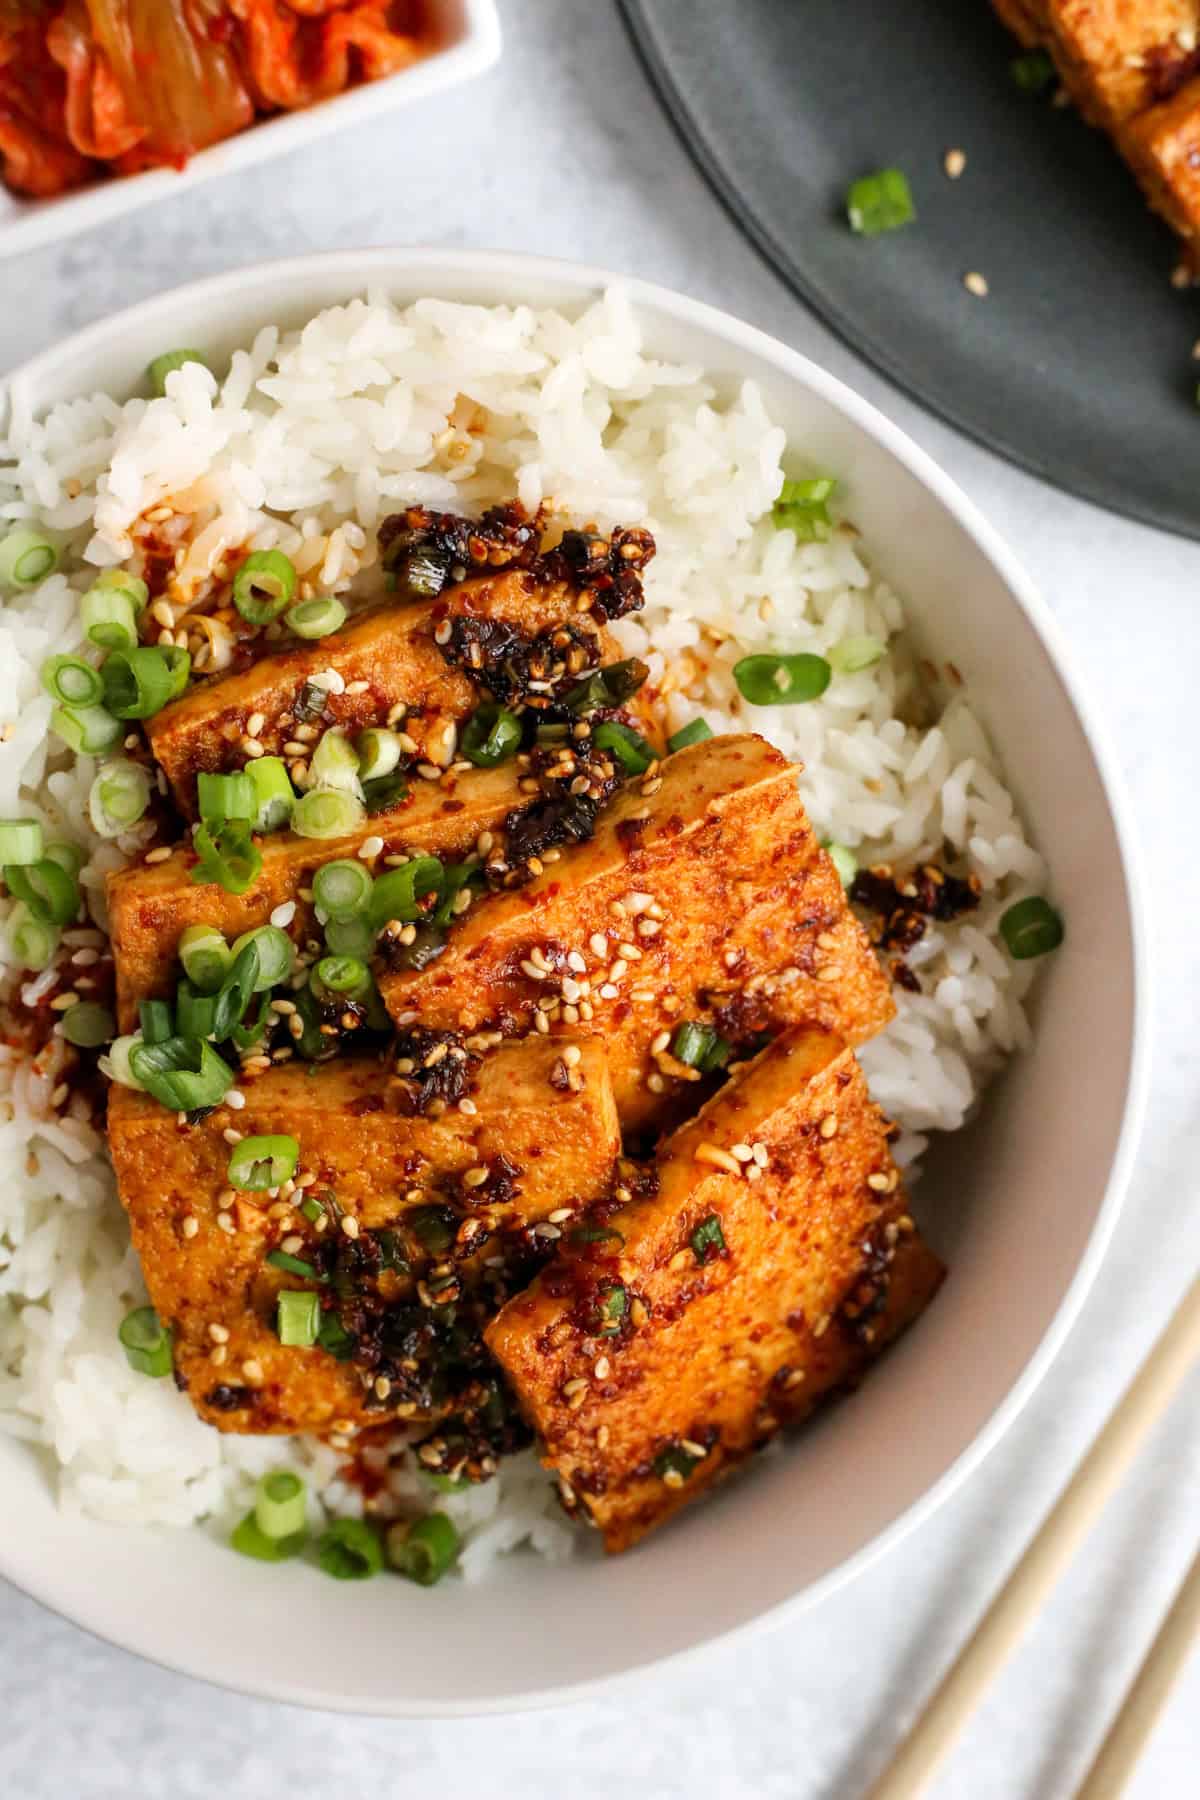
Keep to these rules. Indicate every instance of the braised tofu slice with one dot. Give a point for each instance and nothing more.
(1115, 57)
(150, 905)
(766, 1272)
(432, 1192)
(704, 894)
(417, 655)
(1162, 146)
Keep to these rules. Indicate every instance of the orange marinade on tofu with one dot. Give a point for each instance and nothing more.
(703, 895)
(764, 1270)
(533, 1145)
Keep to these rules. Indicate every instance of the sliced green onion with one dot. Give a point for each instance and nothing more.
(385, 791)
(379, 754)
(312, 1044)
(115, 1061)
(274, 800)
(181, 1073)
(349, 937)
(49, 892)
(87, 1025)
(398, 893)
(205, 957)
(258, 1163)
(88, 730)
(179, 667)
(195, 1013)
(167, 363)
(311, 1209)
(157, 1021)
(147, 1345)
(1033, 72)
(433, 1227)
(425, 1550)
(71, 681)
(225, 797)
(696, 731)
(880, 202)
(342, 888)
(707, 1238)
(249, 1539)
(1031, 928)
(246, 1037)
(674, 1460)
(700, 1046)
(263, 586)
(137, 683)
(491, 735)
(631, 750)
(68, 856)
(21, 842)
(802, 508)
(422, 572)
(297, 1316)
(229, 856)
(614, 1305)
(326, 813)
(317, 618)
(109, 610)
(32, 942)
(350, 1550)
(610, 686)
(26, 557)
(311, 703)
(345, 976)
(854, 654)
(119, 796)
(292, 1265)
(279, 1504)
(334, 763)
(843, 860)
(276, 955)
(236, 990)
(334, 1338)
(781, 680)
(458, 877)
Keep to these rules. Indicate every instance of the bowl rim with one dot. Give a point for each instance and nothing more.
(508, 269)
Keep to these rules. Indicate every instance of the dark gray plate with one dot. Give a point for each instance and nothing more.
(1077, 365)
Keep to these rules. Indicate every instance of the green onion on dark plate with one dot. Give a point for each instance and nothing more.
(264, 585)
(696, 731)
(880, 202)
(1031, 927)
(768, 680)
(425, 1550)
(259, 1163)
(350, 1550)
(145, 1341)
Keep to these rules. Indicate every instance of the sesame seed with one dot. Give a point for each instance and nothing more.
(236, 1099)
(219, 1333)
(638, 1312)
(760, 1155)
(673, 1478)
(575, 961)
(283, 915)
(158, 855)
(443, 632)
(743, 1153)
(878, 1184)
(571, 1055)
(467, 1106)
(252, 748)
(619, 968)
(383, 1387)
(648, 928)
(255, 723)
(598, 944)
(602, 1437)
(218, 1354)
(291, 1244)
(828, 1126)
(693, 1448)
(350, 1225)
(716, 1158)
(821, 1326)
(954, 162)
(232, 1136)
(225, 1221)
(64, 1002)
(829, 972)
(559, 1214)
(294, 748)
(252, 1370)
(541, 1023)
(190, 1226)
(357, 687)
(680, 1260)
(975, 284)
(602, 1369)
(475, 1177)
(429, 771)
(370, 847)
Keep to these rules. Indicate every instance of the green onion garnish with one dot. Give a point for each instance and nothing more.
(167, 363)
(293, 1265)
(379, 754)
(350, 1551)
(1033, 72)
(119, 796)
(87, 1025)
(179, 667)
(422, 572)
(696, 731)
(342, 888)
(157, 1021)
(195, 1013)
(237, 989)
(610, 686)
(276, 955)
(205, 957)
(109, 610)
(614, 1304)
(297, 1314)
(263, 586)
(31, 942)
(398, 893)
(317, 618)
(279, 1504)
(227, 856)
(707, 1239)
(386, 791)
(700, 1046)
(781, 680)
(631, 750)
(71, 681)
(88, 730)
(68, 856)
(26, 557)
(21, 841)
(674, 1460)
(1031, 928)
(259, 1163)
(843, 860)
(854, 654)
(115, 1061)
(181, 1073)
(335, 1339)
(880, 202)
(490, 736)
(146, 1344)
(225, 797)
(311, 1209)
(802, 508)
(326, 813)
(345, 976)
(425, 1550)
(249, 1539)
(139, 683)
(350, 937)
(274, 800)
(334, 763)
(49, 892)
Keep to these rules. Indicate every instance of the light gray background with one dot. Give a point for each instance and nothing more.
(562, 150)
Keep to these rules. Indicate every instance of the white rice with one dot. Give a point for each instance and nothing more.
(307, 443)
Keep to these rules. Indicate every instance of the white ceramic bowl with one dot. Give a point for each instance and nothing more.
(1023, 1202)
(466, 42)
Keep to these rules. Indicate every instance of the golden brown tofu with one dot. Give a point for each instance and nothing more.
(151, 904)
(767, 1271)
(386, 657)
(704, 894)
(1115, 56)
(1162, 146)
(202, 1248)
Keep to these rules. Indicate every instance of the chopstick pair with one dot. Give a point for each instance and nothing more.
(1015, 1607)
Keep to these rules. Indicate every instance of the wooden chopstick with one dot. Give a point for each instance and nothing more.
(1015, 1607)
(1130, 1730)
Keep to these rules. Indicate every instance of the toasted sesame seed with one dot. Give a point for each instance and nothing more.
(680, 1260)
(291, 1244)
(602, 1437)
(760, 1155)
(576, 961)
(232, 1135)
(541, 1023)
(576, 1385)
(743, 1152)
(190, 1226)
(619, 968)
(158, 855)
(252, 1370)
(648, 928)
(954, 162)
(383, 1387)
(468, 1106)
(716, 1158)
(660, 1042)
(976, 284)
(572, 1055)
(829, 972)
(693, 1448)
(255, 723)
(602, 1369)
(235, 1098)
(443, 632)
(350, 1225)
(370, 846)
(283, 915)
(219, 1333)
(821, 1326)
(225, 1221)
(64, 1002)
(357, 687)
(673, 1479)
(828, 1126)
(252, 748)
(638, 1312)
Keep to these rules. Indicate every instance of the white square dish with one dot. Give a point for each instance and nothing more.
(468, 42)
